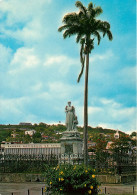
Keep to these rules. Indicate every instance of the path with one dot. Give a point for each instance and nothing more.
(36, 188)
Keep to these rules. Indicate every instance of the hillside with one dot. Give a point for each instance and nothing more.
(46, 133)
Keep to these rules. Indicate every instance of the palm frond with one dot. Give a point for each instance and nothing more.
(61, 28)
(81, 6)
(70, 18)
(72, 30)
(109, 34)
(90, 6)
(106, 25)
(82, 59)
(82, 69)
(79, 37)
(91, 45)
(97, 35)
(98, 10)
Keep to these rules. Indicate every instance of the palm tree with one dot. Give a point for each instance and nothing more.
(86, 28)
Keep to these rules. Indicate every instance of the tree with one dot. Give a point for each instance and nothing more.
(27, 139)
(36, 138)
(124, 154)
(133, 134)
(86, 28)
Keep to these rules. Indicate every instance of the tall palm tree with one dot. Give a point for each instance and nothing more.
(86, 27)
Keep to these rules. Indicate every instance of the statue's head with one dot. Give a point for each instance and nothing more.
(69, 103)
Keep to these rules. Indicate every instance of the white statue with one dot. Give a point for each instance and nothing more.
(75, 122)
(71, 118)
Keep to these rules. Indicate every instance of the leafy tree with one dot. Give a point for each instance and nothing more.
(133, 134)
(85, 25)
(36, 138)
(123, 152)
(27, 139)
(4, 134)
(124, 143)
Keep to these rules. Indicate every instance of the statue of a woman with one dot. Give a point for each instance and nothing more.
(70, 116)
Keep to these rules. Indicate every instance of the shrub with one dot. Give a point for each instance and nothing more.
(71, 179)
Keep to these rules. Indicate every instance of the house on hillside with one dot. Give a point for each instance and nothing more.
(58, 133)
(27, 124)
(108, 146)
(14, 134)
(116, 135)
(23, 129)
(30, 132)
(45, 137)
(107, 136)
(91, 144)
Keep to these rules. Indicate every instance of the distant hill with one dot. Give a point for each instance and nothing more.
(52, 131)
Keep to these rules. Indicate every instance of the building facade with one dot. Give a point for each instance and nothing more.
(31, 149)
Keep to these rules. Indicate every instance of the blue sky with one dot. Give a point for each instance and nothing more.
(38, 69)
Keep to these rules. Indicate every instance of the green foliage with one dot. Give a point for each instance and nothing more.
(133, 134)
(36, 138)
(124, 143)
(52, 132)
(71, 179)
(27, 139)
(4, 134)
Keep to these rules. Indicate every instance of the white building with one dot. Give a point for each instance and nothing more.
(32, 149)
(30, 132)
(26, 124)
(116, 135)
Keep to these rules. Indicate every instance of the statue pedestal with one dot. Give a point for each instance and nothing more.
(71, 147)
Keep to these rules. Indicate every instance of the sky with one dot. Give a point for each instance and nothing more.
(39, 69)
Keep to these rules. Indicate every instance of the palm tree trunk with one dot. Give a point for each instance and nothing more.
(86, 111)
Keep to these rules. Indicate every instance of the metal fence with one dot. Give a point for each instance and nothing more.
(27, 163)
(113, 162)
(106, 162)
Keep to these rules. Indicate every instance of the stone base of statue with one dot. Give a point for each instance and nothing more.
(71, 147)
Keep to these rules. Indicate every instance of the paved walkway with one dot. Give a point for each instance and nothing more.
(119, 189)
(36, 188)
(21, 188)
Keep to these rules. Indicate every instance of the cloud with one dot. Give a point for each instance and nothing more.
(23, 59)
(5, 57)
(112, 114)
(107, 55)
(29, 72)
(61, 63)
(12, 109)
(23, 10)
(128, 76)
(110, 102)
(37, 87)
(23, 20)
(53, 60)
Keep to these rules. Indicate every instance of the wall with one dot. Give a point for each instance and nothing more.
(25, 177)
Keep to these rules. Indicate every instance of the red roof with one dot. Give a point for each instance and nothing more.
(44, 136)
